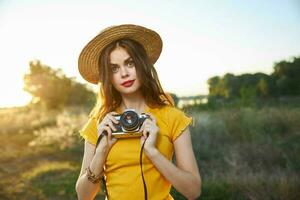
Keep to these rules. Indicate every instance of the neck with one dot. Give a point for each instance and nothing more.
(134, 101)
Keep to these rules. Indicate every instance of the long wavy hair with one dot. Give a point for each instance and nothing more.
(108, 98)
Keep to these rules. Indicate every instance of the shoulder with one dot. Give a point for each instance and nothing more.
(173, 119)
(169, 114)
(168, 110)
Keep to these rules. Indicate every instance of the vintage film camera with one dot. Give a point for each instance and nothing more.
(129, 124)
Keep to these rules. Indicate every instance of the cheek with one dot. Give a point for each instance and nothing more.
(114, 80)
(134, 73)
(138, 79)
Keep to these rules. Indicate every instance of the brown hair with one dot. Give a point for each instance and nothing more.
(109, 98)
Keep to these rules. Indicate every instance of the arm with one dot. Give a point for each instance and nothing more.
(185, 176)
(85, 189)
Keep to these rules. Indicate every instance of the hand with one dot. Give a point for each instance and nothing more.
(106, 124)
(150, 131)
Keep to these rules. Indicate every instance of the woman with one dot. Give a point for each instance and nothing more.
(120, 59)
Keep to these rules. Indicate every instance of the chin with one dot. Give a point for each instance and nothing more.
(127, 91)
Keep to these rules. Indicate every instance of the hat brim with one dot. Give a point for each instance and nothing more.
(88, 61)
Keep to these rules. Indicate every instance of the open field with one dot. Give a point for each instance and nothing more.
(242, 153)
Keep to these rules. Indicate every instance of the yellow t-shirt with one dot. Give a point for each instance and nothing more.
(122, 167)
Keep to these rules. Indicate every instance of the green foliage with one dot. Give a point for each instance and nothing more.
(287, 77)
(81, 95)
(59, 182)
(247, 95)
(242, 153)
(221, 190)
(49, 87)
(284, 81)
(263, 88)
(248, 153)
(25, 119)
(231, 86)
(53, 90)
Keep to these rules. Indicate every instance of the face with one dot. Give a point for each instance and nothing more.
(124, 77)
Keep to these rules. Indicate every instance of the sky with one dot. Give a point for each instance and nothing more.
(201, 38)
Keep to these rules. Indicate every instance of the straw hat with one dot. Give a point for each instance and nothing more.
(89, 57)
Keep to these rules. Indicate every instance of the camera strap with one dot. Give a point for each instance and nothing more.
(141, 165)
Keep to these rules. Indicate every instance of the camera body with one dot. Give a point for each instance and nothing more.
(129, 124)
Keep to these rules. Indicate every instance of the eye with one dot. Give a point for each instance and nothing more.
(130, 63)
(114, 69)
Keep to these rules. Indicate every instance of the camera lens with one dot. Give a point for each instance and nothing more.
(129, 120)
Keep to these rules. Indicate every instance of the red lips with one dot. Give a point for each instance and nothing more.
(127, 83)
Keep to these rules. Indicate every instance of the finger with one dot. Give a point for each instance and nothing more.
(110, 124)
(112, 118)
(145, 132)
(147, 121)
(142, 128)
(107, 129)
(100, 126)
(148, 128)
(104, 122)
(114, 113)
(110, 137)
(152, 118)
(100, 129)
(142, 139)
(113, 139)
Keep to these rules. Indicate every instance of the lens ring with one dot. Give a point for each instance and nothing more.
(129, 120)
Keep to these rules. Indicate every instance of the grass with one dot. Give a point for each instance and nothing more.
(248, 153)
(242, 153)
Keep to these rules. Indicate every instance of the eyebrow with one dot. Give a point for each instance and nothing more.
(126, 61)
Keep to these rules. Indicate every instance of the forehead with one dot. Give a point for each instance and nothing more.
(118, 55)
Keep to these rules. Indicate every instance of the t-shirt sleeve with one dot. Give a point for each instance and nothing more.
(179, 121)
(89, 131)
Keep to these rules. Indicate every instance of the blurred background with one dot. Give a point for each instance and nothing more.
(232, 65)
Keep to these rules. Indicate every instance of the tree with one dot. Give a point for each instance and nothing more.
(81, 95)
(52, 89)
(48, 87)
(231, 86)
(287, 77)
(263, 88)
(284, 81)
(248, 95)
(213, 83)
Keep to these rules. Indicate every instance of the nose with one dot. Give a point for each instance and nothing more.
(124, 72)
